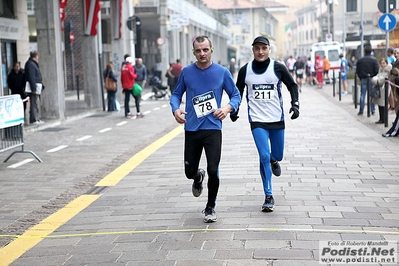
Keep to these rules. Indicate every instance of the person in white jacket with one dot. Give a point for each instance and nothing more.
(379, 80)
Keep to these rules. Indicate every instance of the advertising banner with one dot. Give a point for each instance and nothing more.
(11, 111)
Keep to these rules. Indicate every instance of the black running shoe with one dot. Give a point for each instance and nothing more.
(276, 169)
(268, 206)
(197, 186)
(210, 215)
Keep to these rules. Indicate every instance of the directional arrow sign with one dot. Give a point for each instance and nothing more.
(387, 22)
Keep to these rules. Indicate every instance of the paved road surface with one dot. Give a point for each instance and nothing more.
(111, 191)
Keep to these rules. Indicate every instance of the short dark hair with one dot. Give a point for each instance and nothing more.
(201, 39)
(126, 56)
(390, 50)
(368, 49)
(33, 54)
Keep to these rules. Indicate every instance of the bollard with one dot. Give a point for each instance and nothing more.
(386, 88)
(339, 86)
(334, 83)
(77, 85)
(355, 91)
(368, 95)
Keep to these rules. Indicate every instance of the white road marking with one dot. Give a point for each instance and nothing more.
(84, 138)
(121, 123)
(105, 130)
(58, 148)
(20, 163)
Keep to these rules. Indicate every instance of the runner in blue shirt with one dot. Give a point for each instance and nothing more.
(204, 83)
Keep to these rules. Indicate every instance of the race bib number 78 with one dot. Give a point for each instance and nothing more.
(204, 104)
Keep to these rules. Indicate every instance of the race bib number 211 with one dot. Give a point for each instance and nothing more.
(263, 92)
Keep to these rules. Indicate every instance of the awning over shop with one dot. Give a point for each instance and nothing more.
(355, 44)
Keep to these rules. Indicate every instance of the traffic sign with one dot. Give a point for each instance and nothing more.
(387, 22)
(71, 37)
(160, 41)
(383, 8)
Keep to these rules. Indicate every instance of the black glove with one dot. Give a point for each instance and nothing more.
(295, 109)
(234, 117)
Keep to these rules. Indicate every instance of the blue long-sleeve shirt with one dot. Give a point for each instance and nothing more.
(209, 82)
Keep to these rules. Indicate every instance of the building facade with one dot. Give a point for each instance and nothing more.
(14, 41)
(75, 39)
(245, 21)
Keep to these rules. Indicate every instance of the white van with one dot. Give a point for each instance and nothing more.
(330, 49)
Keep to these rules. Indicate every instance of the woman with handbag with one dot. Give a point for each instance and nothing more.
(378, 82)
(394, 78)
(110, 84)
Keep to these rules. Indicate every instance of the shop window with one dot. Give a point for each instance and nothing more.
(7, 9)
(351, 5)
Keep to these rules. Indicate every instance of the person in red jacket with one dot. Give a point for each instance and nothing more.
(127, 79)
(319, 67)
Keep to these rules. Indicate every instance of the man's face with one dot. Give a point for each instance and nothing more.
(261, 51)
(203, 52)
(17, 67)
(396, 54)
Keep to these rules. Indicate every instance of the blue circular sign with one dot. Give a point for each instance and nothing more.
(387, 22)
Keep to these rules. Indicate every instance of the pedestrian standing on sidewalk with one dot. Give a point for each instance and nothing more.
(34, 87)
(390, 56)
(367, 65)
(204, 83)
(111, 94)
(394, 78)
(343, 71)
(174, 72)
(326, 69)
(262, 78)
(170, 79)
(16, 81)
(127, 79)
(142, 76)
(391, 97)
(379, 80)
(141, 72)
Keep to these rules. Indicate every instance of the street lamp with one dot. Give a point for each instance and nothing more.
(328, 3)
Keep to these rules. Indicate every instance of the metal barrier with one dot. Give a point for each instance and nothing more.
(11, 125)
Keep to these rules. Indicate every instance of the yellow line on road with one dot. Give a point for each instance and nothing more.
(119, 173)
(38, 232)
(207, 229)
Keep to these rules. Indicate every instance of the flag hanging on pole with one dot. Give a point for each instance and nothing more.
(92, 11)
(118, 19)
(63, 4)
(288, 30)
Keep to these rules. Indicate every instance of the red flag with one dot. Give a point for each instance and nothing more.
(63, 4)
(92, 9)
